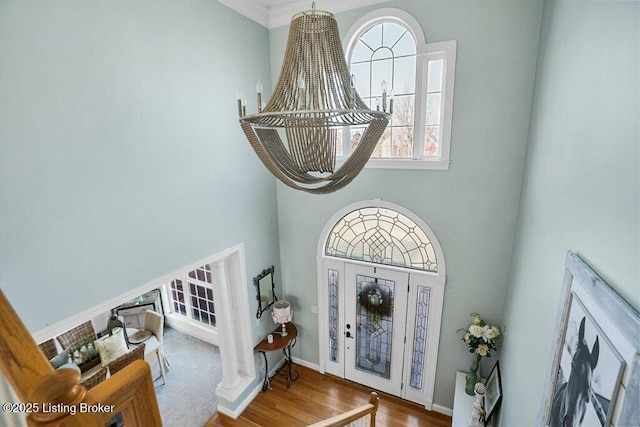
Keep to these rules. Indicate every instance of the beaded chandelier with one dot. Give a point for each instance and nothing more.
(314, 98)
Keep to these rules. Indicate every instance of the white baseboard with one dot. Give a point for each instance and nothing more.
(436, 408)
(442, 409)
(243, 405)
(246, 402)
(185, 326)
(306, 364)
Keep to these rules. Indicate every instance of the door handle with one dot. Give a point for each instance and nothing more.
(348, 334)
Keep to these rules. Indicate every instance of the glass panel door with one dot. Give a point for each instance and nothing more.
(375, 326)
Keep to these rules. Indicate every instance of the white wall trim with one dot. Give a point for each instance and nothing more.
(306, 364)
(251, 9)
(202, 332)
(379, 203)
(379, 15)
(231, 394)
(442, 409)
(57, 328)
(243, 405)
(279, 16)
(416, 164)
(434, 407)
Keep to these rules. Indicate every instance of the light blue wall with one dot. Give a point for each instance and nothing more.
(581, 184)
(472, 207)
(121, 158)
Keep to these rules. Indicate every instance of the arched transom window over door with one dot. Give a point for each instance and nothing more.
(381, 279)
(382, 236)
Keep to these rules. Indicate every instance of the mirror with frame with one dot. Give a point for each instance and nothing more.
(266, 290)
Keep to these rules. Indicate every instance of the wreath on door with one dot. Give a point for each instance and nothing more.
(376, 300)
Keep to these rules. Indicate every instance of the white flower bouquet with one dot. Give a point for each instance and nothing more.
(480, 337)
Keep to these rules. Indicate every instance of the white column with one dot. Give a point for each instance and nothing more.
(227, 345)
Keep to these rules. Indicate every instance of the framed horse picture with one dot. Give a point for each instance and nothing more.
(593, 379)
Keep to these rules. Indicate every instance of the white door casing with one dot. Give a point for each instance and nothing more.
(423, 307)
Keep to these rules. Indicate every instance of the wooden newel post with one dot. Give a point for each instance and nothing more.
(56, 397)
(21, 360)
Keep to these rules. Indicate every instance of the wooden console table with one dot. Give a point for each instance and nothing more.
(279, 343)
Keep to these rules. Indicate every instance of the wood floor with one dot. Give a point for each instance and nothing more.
(315, 397)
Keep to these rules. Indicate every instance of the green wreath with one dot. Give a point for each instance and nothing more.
(376, 300)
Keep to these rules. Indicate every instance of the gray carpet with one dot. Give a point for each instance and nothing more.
(188, 399)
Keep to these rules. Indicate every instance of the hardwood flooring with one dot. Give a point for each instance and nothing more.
(315, 397)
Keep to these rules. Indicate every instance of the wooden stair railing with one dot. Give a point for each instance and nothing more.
(357, 416)
(55, 396)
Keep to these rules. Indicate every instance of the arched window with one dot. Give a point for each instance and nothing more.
(386, 52)
(388, 45)
(382, 236)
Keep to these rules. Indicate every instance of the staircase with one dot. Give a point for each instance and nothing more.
(55, 398)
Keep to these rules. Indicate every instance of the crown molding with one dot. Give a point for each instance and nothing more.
(251, 9)
(281, 15)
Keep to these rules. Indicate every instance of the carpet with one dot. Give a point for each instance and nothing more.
(188, 399)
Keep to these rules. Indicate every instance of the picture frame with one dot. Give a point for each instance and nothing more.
(493, 392)
(594, 376)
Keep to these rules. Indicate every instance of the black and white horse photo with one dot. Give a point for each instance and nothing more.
(571, 398)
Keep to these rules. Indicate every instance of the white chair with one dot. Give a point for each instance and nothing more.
(154, 323)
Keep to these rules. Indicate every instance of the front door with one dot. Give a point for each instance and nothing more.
(375, 318)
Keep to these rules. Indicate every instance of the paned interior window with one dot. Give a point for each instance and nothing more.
(389, 54)
(177, 297)
(202, 308)
(202, 274)
(386, 52)
(192, 296)
(381, 236)
(434, 108)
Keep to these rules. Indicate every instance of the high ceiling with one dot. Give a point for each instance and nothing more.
(275, 13)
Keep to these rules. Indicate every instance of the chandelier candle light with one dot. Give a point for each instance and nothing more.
(314, 98)
(283, 314)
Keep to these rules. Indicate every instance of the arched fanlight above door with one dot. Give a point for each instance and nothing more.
(382, 236)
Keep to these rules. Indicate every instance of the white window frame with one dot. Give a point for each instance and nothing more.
(187, 281)
(425, 52)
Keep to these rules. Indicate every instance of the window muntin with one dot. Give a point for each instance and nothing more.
(434, 108)
(388, 45)
(192, 296)
(381, 236)
(386, 52)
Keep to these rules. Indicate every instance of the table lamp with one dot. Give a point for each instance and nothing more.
(282, 314)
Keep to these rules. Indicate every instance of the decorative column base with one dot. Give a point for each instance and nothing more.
(233, 401)
(478, 412)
